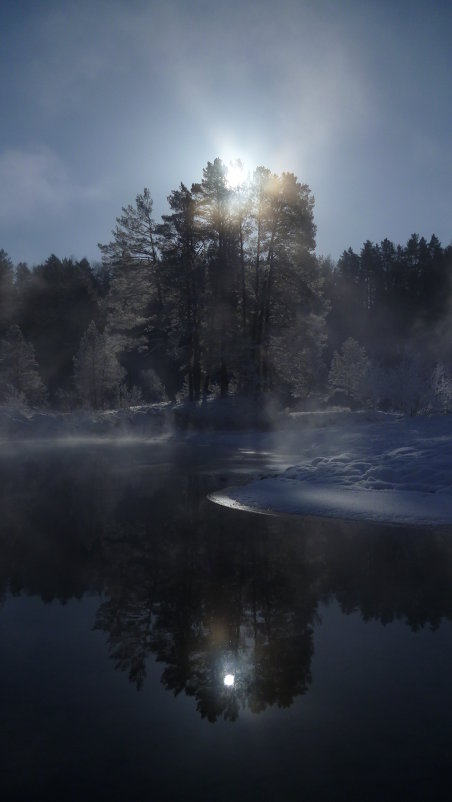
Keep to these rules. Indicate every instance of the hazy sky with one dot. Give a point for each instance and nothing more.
(100, 99)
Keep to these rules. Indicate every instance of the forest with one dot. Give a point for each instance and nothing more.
(223, 296)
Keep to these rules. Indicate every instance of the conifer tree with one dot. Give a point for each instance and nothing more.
(349, 369)
(7, 291)
(97, 372)
(19, 374)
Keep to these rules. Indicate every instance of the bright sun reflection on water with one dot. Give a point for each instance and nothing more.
(229, 680)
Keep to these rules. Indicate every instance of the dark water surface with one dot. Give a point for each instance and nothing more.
(127, 599)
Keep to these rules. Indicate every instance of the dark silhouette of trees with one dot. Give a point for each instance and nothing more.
(136, 306)
(97, 372)
(135, 286)
(399, 296)
(181, 246)
(286, 282)
(7, 292)
(225, 294)
(223, 284)
(57, 300)
(19, 374)
(349, 369)
(213, 203)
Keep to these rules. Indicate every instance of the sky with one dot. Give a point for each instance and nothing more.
(102, 98)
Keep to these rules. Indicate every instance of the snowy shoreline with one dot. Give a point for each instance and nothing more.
(398, 472)
(219, 416)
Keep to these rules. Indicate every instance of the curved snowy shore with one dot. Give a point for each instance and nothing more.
(396, 472)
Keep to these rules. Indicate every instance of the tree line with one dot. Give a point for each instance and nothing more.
(224, 294)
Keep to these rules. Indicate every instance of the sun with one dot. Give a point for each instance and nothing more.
(236, 174)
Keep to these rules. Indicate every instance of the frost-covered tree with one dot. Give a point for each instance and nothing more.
(139, 302)
(349, 370)
(7, 291)
(441, 388)
(221, 286)
(215, 222)
(185, 287)
(19, 374)
(285, 284)
(296, 355)
(153, 388)
(97, 372)
(135, 292)
(403, 387)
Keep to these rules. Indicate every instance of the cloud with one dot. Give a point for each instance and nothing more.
(37, 183)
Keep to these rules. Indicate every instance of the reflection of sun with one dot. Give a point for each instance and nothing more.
(235, 175)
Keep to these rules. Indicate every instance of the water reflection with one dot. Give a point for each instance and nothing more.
(210, 595)
(225, 601)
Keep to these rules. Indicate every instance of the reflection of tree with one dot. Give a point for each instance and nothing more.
(53, 515)
(388, 573)
(210, 597)
(206, 591)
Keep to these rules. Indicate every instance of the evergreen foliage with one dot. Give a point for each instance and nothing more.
(225, 279)
(19, 374)
(7, 292)
(225, 294)
(97, 372)
(56, 301)
(349, 370)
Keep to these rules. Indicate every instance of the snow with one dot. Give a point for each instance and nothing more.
(394, 470)
(19, 423)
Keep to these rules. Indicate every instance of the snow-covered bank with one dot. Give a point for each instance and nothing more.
(22, 424)
(226, 416)
(398, 471)
(232, 414)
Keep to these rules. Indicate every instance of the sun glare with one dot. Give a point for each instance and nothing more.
(229, 680)
(236, 174)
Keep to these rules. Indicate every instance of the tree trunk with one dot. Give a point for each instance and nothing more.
(196, 377)
(224, 380)
(205, 388)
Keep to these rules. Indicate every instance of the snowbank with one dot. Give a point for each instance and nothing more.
(23, 423)
(232, 414)
(398, 471)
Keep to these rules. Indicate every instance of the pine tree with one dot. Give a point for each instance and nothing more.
(19, 374)
(349, 370)
(221, 286)
(135, 293)
(441, 385)
(7, 292)
(136, 307)
(97, 372)
(56, 301)
(288, 280)
(184, 281)
(215, 220)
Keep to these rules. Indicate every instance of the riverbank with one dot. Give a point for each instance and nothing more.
(394, 471)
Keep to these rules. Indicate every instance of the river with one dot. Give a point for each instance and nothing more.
(156, 646)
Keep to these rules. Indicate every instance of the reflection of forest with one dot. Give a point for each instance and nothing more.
(210, 592)
(211, 597)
